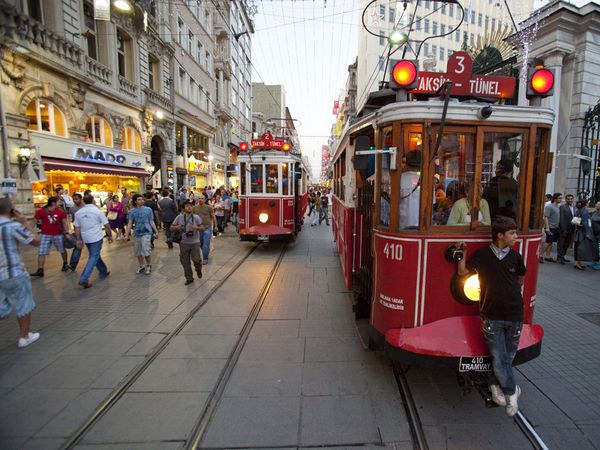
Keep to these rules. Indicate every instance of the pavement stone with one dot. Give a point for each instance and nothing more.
(180, 375)
(230, 325)
(103, 343)
(209, 346)
(254, 422)
(284, 349)
(111, 377)
(265, 379)
(148, 417)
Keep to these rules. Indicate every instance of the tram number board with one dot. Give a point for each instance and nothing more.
(267, 143)
(262, 237)
(475, 364)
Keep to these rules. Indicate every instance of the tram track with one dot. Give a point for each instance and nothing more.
(417, 431)
(195, 438)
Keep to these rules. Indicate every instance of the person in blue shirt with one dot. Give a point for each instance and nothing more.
(144, 229)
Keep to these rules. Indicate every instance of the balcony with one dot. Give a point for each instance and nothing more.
(223, 112)
(127, 87)
(98, 71)
(32, 35)
(154, 98)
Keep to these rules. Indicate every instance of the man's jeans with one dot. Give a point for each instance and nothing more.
(324, 215)
(205, 238)
(75, 257)
(188, 254)
(94, 260)
(502, 338)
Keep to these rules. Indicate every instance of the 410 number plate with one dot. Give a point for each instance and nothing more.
(475, 364)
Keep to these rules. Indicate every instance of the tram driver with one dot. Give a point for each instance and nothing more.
(410, 191)
(502, 192)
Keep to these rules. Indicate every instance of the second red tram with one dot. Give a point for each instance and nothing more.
(273, 196)
(411, 179)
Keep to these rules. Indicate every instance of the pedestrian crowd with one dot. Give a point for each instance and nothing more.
(189, 217)
(571, 224)
(318, 206)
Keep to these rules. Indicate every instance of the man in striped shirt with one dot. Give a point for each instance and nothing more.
(15, 285)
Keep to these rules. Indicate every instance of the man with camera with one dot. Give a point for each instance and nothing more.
(186, 228)
(15, 285)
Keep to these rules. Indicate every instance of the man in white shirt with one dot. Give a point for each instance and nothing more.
(410, 191)
(88, 223)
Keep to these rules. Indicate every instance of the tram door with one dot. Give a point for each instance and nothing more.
(363, 286)
(297, 198)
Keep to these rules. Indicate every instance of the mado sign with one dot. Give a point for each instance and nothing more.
(100, 156)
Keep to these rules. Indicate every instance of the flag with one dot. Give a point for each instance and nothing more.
(336, 107)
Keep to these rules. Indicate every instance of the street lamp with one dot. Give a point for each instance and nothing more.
(398, 38)
(123, 5)
(23, 157)
(160, 115)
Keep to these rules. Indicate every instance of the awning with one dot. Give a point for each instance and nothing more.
(63, 164)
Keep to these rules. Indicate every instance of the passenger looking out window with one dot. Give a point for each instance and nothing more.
(462, 209)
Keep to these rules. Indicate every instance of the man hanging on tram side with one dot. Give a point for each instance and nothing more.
(501, 274)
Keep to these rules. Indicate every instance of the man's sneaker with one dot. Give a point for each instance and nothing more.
(141, 269)
(189, 281)
(497, 395)
(148, 270)
(38, 273)
(31, 338)
(85, 284)
(65, 267)
(511, 402)
(199, 273)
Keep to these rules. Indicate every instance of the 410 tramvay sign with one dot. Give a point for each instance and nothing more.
(464, 82)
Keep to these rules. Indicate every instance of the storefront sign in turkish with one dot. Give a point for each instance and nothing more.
(53, 146)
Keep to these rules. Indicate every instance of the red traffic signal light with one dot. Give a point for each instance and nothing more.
(404, 74)
(540, 82)
(244, 146)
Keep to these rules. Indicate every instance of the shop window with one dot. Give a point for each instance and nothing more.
(256, 178)
(500, 173)
(131, 140)
(99, 131)
(272, 178)
(44, 115)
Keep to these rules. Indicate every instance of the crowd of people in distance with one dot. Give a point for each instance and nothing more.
(190, 218)
(318, 206)
(570, 223)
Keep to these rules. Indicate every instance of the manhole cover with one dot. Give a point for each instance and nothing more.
(591, 317)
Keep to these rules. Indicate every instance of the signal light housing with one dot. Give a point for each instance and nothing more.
(244, 147)
(286, 147)
(540, 82)
(404, 74)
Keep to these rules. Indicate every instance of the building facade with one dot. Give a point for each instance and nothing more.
(269, 100)
(484, 21)
(568, 41)
(86, 98)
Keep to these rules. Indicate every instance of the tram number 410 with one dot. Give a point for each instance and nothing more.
(393, 251)
(475, 364)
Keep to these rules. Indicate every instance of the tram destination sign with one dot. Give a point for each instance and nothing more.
(464, 82)
(267, 141)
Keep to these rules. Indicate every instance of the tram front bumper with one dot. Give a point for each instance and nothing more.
(455, 342)
(265, 233)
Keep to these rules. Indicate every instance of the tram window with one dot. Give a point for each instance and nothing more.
(410, 186)
(272, 178)
(454, 187)
(500, 173)
(285, 182)
(256, 178)
(384, 206)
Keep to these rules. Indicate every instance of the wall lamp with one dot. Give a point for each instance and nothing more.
(237, 36)
(23, 157)
(160, 115)
(150, 169)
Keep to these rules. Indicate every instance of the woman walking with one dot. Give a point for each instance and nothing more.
(219, 208)
(585, 248)
(116, 216)
(596, 231)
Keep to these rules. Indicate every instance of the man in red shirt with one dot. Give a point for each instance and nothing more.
(54, 226)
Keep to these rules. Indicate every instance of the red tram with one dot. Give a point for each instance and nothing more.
(413, 177)
(273, 195)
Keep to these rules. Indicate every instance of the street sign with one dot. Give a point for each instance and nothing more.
(9, 186)
(464, 82)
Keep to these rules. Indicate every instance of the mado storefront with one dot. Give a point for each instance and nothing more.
(78, 166)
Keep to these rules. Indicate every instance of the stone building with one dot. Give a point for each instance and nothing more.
(567, 39)
(87, 97)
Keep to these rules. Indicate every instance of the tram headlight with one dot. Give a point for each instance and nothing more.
(465, 289)
(263, 217)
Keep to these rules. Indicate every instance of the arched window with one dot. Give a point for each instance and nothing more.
(44, 115)
(131, 140)
(98, 131)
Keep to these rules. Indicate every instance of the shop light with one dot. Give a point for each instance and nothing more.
(150, 168)
(211, 157)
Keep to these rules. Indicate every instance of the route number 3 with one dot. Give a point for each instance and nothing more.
(393, 251)
(460, 60)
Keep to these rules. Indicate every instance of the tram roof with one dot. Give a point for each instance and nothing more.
(463, 112)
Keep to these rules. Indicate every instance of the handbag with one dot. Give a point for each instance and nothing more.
(112, 215)
(69, 241)
(177, 236)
